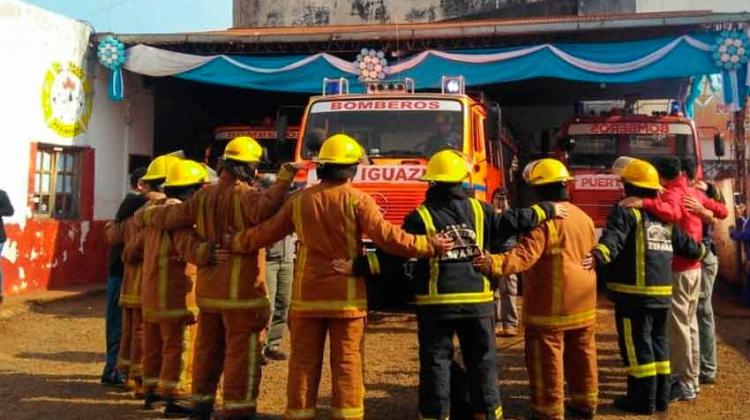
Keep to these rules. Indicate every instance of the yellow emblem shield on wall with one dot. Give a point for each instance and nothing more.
(66, 99)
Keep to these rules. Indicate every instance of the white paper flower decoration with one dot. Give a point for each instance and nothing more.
(111, 52)
(730, 50)
(372, 65)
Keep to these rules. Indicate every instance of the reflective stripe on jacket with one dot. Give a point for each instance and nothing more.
(167, 289)
(330, 220)
(469, 289)
(132, 258)
(558, 292)
(216, 209)
(450, 286)
(639, 248)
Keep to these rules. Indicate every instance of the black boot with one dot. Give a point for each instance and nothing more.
(627, 405)
(202, 411)
(149, 399)
(173, 409)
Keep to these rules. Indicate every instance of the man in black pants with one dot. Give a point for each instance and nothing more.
(452, 297)
(639, 248)
(133, 201)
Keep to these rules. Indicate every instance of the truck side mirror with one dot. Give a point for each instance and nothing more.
(568, 144)
(281, 125)
(314, 139)
(719, 145)
(544, 142)
(492, 123)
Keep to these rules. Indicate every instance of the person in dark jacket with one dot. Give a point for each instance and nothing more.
(133, 200)
(452, 297)
(639, 248)
(6, 210)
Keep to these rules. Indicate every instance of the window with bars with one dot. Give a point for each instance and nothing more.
(57, 182)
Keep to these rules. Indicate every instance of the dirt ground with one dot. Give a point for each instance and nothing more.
(51, 358)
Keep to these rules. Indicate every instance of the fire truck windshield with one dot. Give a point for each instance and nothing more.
(387, 127)
(599, 151)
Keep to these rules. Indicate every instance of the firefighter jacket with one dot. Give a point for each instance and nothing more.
(668, 207)
(126, 235)
(330, 220)
(167, 289)
(224, 207)
(449, 286)
(559, 293)
(638, 248)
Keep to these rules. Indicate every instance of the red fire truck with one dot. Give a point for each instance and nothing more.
(589, 144)
(400, 130)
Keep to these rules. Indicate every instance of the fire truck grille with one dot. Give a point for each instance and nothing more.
(396, 201)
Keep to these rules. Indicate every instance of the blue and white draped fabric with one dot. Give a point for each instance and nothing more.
(612, 62)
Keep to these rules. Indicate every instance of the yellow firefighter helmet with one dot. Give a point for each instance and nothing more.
(186, 172)
(637, 172)
(159, 167)
(243, 149)
(545, 171)
(340, 149)
(447, 166)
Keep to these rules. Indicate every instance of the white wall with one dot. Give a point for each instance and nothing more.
(116, 130)
(31, 39)
(643, 6)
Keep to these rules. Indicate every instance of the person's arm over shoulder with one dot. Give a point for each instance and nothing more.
(714, 193)
(170, 216)
(259, 206)
(528, 251)
(386, 236)
(379, 262)
(620, 224)
(667, 207)
(6, 207)
(513, 222)
(717, 208)
(191, 247)
(268, 232)
(685, 246)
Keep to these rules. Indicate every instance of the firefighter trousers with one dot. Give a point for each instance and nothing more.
(555, 356)
(130, 357)
(229, 342)
(643, 336)
(308, 339)
(478, 348)
(167, 364)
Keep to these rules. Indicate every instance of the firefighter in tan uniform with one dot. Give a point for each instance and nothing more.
(130, 359)
(560, 299)
(231, 296)
(168, 296)
(127, 233)
(330, 220)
